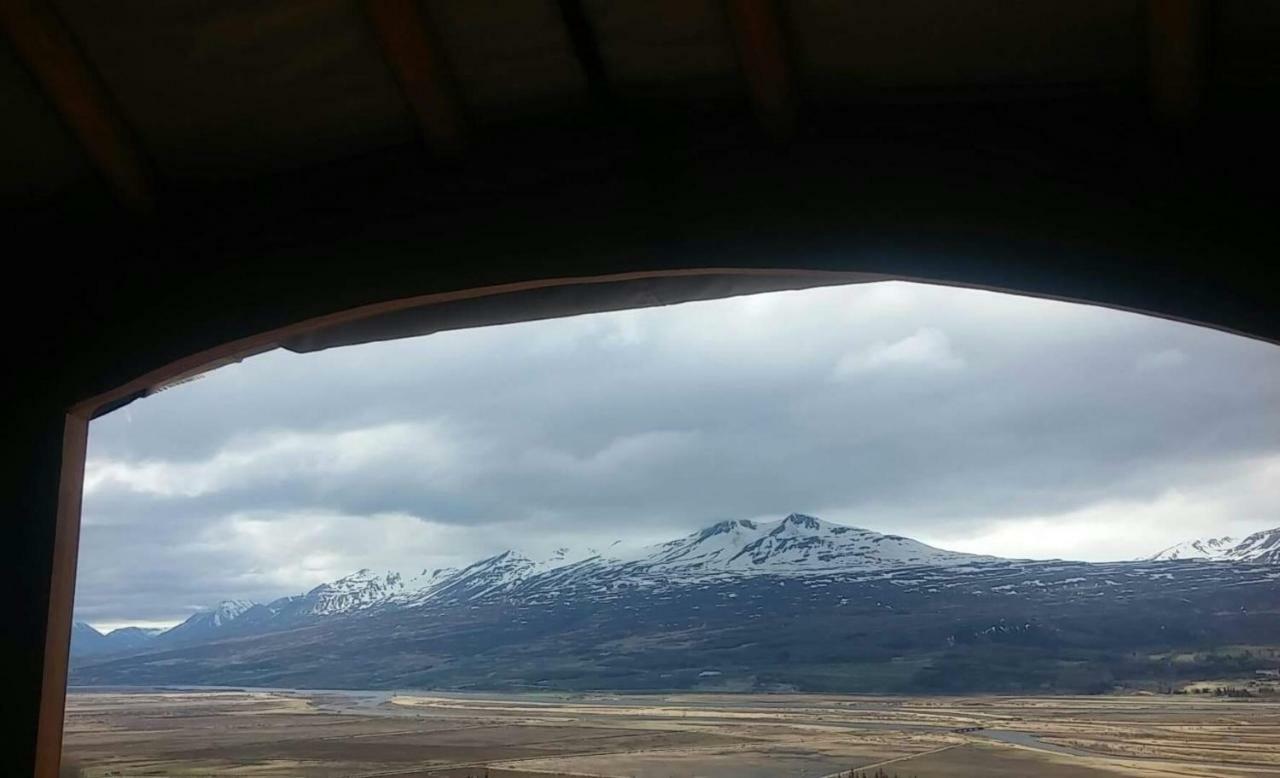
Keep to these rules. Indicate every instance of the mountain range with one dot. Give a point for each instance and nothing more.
(87, 641)
(798, 603)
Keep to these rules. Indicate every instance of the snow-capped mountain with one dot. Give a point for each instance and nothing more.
(763, 603)
(502, 574)
(495, 575)
(731, 553)
(492, 576)
(798, 544)
(1259, 548)
(226, 612)
(1202, 548)
(202, 624)
(353, 592)
(364, 589)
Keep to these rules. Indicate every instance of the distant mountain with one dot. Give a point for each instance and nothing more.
(361, 588)
(207, 624)
(796, 545)
(1204, 548)
(126, 638)
(797, 603)
(86, 641)
(1259, 548)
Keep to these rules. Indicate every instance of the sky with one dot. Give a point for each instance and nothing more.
(970, 420)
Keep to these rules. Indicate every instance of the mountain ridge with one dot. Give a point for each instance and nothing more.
(1259, 548)
(798, 544)
(795, 604)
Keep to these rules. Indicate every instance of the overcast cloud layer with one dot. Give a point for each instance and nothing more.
(969, 420)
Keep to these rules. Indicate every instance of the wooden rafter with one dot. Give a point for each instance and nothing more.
(73, 86)
(761, 55)
(419, 68)
(586, 50)
(1175, 31)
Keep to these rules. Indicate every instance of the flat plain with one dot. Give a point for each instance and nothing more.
(271, 732)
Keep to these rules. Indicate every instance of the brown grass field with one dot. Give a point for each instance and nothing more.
(308, 733)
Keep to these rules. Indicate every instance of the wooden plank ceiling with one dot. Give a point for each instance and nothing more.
(149, 95)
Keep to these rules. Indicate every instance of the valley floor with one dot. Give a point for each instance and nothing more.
(252, 732)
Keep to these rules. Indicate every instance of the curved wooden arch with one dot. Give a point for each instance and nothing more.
(595, 293)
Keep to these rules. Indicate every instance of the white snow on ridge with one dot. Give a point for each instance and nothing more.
(795, 545)
(1260, 548)
(227, 611)
(1203, 548)
(798, 544)
(353, 592)
(213, 618)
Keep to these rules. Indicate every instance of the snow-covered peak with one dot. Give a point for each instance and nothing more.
(795, 544)
(1202, 548)
(365, 588)
(715, 545)
(566, 556)
(494, 575)
(800, 522)
(353, 592)
(210, 619)
(227, 611)
(1259, 548)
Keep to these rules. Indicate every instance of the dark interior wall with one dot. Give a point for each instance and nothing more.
(1079, 199)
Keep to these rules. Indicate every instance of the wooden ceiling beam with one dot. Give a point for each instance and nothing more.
(78, 94)
(586, 50)
(757, 37)
(419, 68)
(1175, 43)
